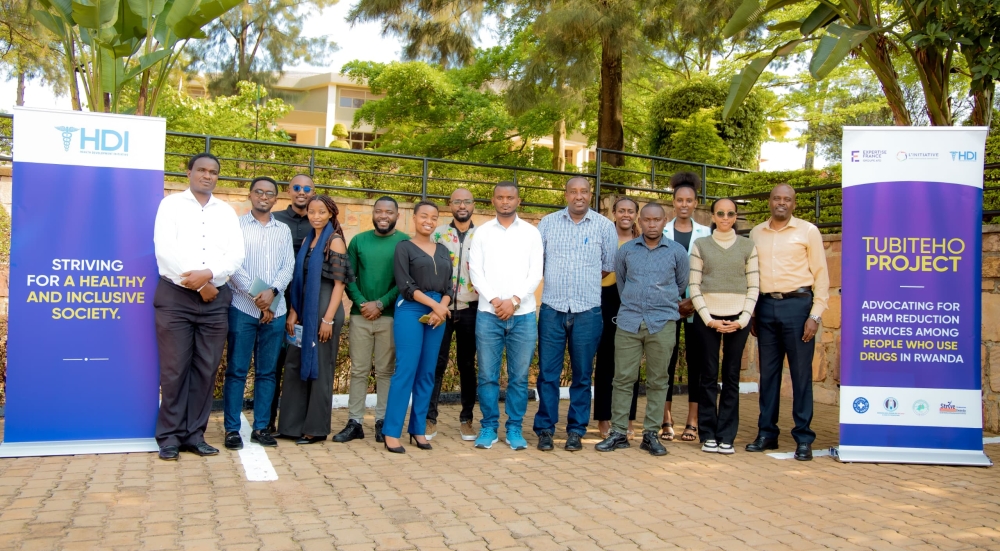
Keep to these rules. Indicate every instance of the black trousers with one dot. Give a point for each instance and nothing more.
(780, 324)
(693, 353)
(191, 335)
(720, 423)
(461, 324)
(604, 368)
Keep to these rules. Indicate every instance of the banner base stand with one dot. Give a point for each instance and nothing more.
(918, 456)
(78, 447)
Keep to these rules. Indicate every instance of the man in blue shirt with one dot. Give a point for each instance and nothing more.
(652, 273)
(257, 316)
(579, 246)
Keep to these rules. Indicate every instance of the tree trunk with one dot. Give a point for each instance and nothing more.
(933, 70)
(982, 109)
(875, 52)
(140, 102)
(610, 130)
(558, 138)
(20, 88)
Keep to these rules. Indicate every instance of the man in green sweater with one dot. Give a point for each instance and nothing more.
(373, 294)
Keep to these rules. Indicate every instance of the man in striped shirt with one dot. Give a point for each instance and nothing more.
(257, 315)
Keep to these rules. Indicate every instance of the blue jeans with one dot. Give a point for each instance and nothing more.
(581, 331)
(248, 337)
(417, 346)
(517, 336)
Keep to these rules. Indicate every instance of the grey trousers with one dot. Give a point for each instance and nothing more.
(371, 341)
(306, 406)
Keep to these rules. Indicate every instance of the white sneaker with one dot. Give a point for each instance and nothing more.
(710, 446)
(726, 449)
(431, 430)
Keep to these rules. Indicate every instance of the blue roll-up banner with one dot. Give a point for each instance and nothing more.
(82, 368)
(911, 380)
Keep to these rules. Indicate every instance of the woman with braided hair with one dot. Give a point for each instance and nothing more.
(321, 272)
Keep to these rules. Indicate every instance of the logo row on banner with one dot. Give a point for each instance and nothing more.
(894, 154)
(928, 407)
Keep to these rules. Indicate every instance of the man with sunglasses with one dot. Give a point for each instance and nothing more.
(301, 190)
(794, 289)
(257, 315)
(457, 238)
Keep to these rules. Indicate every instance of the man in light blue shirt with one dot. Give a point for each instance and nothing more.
(580, 247)
(256, 323)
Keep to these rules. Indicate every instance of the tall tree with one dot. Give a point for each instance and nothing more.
(27, 51)
(257, 41)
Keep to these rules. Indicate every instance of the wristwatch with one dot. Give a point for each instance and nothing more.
(517, 303)
(379, 305)
(275, 291)
(817, 319)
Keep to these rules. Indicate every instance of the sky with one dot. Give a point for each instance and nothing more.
(365, 42)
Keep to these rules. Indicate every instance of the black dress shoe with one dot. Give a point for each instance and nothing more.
(263, 438)
(379, 437)
(615, 440)
(353, 431)
(762, 443)
(573, 443)
(169, 453)
(310, 440)
(651, 443)
(803, 452)
(233, 441)
(271, 429)
(201, 448)
(545, 441)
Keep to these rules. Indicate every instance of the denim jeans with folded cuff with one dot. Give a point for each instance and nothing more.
(581, 332)
(248, 337)
(517, 335)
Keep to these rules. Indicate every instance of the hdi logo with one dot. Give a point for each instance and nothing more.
(102, 140)
(963, 155)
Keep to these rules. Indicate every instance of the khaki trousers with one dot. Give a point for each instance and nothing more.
(370, 342)
(629, 349)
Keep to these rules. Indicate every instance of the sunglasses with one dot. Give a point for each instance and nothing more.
(725, 214)
(297, 188)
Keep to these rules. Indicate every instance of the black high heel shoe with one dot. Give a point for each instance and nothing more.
(310, 440)
(397, 449)
(426, 446)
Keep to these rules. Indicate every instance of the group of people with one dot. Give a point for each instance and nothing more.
(272, 284)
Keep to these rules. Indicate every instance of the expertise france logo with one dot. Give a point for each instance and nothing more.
(860, 405)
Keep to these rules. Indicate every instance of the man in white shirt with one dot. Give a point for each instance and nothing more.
(505, 265)
(198, 245)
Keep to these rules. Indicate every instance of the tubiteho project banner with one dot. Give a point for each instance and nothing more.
(912, 268)
(82, 374)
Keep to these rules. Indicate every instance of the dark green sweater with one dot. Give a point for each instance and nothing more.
(372, 258)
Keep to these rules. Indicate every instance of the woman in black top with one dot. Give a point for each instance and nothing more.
(423, 275)
(321, 272)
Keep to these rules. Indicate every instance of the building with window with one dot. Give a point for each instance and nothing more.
(322, 100)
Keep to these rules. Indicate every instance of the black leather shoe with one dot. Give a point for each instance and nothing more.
(615, 440)
(651, 443)
(263, 438)
(271, 429)
(202, 449)
(762, 443)
(169, 453)
(233, 441)
(545, 441)
(353, 431)
(573, 443)
(310, 440)
(803, 452)
(379, 437)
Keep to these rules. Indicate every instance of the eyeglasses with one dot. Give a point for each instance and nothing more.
(262, 193)
(297, 188)
(724, 214)
(463, 202)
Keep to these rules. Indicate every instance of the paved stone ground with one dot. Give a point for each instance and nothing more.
(357, 497)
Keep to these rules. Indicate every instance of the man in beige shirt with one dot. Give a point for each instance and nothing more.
(794, 290)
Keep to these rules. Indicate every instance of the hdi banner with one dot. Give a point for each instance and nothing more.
(82, 374)
(912, 268)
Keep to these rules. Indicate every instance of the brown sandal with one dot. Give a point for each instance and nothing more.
(690, 433)
(667, 432)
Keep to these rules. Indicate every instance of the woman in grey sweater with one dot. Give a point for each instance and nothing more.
(725, 282)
